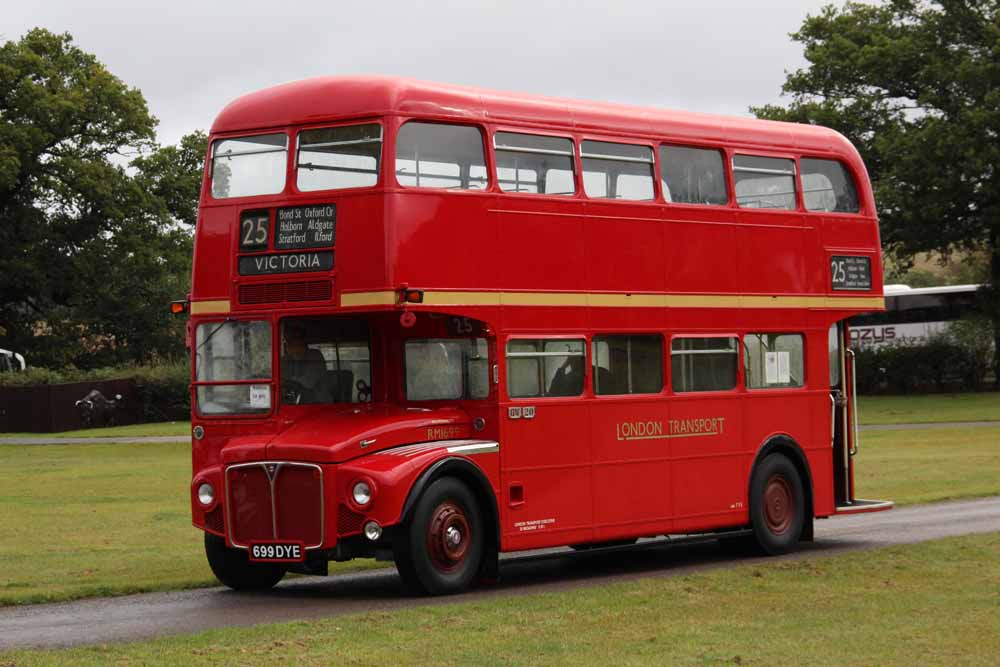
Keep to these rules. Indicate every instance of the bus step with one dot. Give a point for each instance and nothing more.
(862, 506)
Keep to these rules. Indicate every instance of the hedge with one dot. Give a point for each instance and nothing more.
(939, 364)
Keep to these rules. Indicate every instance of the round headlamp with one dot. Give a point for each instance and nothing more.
(362, 493)
(373, 531)
(206, 494)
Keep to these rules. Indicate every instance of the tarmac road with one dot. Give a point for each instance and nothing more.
(137, 617)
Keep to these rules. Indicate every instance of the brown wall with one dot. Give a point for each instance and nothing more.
(52, 408)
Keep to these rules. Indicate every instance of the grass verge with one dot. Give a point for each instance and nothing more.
(99, 519)
(929, 408)
(928, 604)
(927, 465)
(130, 431)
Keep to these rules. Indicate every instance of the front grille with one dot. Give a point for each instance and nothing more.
(315, 290)
(213, 521)
(287, 505)
(348, 521)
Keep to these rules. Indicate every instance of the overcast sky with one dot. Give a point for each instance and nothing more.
(190, 58)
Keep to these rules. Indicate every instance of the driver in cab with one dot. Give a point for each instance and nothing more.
(303, 369)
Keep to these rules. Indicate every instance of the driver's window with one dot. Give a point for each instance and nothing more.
(325, 360)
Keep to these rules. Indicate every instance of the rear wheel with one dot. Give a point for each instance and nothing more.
(777, 505)
(441, 548)
(234, 569)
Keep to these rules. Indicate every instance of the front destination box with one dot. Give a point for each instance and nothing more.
(300, 227)
(294, 262)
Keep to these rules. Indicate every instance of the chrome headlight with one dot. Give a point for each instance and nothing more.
(206, 494)
(362, 493)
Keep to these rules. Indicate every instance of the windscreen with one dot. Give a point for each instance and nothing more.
(233, 353)
(325, 360)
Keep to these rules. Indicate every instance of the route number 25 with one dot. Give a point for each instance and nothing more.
(254, 231)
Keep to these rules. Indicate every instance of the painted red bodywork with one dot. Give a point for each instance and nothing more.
(562, 477)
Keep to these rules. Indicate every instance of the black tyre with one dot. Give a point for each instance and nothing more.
(440, 550)
(234, 569)
(777, 505)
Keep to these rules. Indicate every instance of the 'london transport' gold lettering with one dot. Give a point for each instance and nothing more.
(675, 428)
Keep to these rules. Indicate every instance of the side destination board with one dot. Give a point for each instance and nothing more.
(289, 262)
(850, 272)
(299, 227)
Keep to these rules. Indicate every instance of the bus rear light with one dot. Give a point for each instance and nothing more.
(179, 307)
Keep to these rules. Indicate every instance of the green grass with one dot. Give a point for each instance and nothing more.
(926, 465)
(98, 519)
(928, 604)
(130, 431)
(929, 408)
(101, 519)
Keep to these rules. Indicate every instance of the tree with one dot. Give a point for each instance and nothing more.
(915, 84)
(91, 250)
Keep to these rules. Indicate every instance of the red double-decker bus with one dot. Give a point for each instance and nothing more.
(432, 323)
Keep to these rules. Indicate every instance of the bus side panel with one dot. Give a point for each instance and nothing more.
(793, 412)
(547, 493)
(631, 466)
(708, 460)
(443, 240)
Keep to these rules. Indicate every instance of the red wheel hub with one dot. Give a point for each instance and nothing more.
(448, 536)
(779, 510)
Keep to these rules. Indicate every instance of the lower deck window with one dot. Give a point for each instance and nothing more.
(704, 364)
(627, 365)
(545, 367)
(447, 369)
(773, 360)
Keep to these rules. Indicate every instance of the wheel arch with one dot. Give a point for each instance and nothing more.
(473, 476)
(782, 443)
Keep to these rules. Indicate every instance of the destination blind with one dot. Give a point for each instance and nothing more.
(291, 262)
(301, 227)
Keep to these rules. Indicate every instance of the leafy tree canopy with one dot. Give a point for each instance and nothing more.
(915, 84)
(92, 247)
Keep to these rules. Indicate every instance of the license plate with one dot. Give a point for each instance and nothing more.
(277, 552)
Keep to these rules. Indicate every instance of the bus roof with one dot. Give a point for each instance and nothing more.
(324, 99)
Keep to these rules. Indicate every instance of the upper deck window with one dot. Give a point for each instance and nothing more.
(433, 155)
(332, 158)
(827, 186)
(249, 166)
(530, 163)
(617, 171)
(764, 182)
(692, 175)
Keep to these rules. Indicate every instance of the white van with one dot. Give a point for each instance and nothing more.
(11, 362)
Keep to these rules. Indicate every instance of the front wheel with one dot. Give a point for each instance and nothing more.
(777, 505)
(441, 548)
(234, 568)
